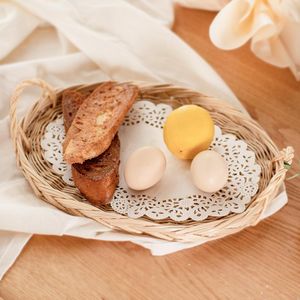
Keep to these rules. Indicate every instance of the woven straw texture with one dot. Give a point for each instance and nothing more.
(27, 133)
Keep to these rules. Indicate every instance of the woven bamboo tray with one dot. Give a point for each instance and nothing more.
(27, 133)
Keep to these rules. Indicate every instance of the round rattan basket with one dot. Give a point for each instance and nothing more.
(27, 133)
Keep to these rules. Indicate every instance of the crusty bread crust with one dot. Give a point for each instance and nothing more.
(97, 121)
(96, 179)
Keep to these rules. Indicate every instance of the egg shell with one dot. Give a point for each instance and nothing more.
(209, 171)
(144, 168)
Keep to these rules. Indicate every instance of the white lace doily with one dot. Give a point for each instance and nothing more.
(174, 196)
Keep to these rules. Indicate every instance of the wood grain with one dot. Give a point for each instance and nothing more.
(258, 263)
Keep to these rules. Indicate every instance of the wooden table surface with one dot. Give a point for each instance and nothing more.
(258, 263)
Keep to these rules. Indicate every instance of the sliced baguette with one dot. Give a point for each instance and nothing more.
(97, 121)
(97, 178)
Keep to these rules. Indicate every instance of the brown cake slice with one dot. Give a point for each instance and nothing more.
(97, 178)
(97, 121)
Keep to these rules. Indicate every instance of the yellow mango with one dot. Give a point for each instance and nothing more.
(188, 130)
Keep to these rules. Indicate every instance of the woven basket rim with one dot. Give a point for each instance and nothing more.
(187, 232)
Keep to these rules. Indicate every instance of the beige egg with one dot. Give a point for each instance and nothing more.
(144, 168)
(209, 171)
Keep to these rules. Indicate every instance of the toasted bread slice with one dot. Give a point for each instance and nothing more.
(96, 179)
(97, 121)
(71, 101)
